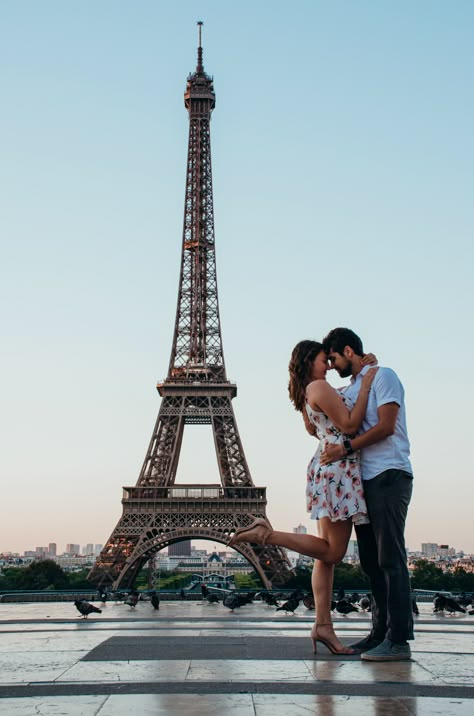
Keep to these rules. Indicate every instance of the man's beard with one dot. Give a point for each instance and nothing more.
(346, 371)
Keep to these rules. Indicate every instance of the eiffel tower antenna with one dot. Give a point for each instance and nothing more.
(156, 511)
(200, 67)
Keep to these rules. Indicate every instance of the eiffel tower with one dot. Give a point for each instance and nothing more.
(157, 512)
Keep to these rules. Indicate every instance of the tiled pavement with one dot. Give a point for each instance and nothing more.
(197, 658)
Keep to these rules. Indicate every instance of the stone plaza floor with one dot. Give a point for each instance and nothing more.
(196, 658)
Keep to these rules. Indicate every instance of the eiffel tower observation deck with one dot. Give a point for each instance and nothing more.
(157, 511)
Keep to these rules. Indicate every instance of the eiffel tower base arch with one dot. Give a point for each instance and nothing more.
(211, 514)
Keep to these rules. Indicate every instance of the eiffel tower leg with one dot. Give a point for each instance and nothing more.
(159, 468)
(233, 466)
(161, 462)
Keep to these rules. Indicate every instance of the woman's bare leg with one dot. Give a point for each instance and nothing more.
(331, 548)
(323, 579)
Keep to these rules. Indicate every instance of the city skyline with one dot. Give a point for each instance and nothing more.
(342, 162)
(203, 544)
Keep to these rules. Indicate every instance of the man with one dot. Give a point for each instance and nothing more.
(388, 480)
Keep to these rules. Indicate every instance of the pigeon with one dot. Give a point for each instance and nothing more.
(340, 594)
(132, 599)
(355, 598)
(155, 600)
(308, 601)
(86, 608)
(234, 601)
(414, 607)
(212, 598)
(464, 600)
(439, 603)
(245, 598)
(272, 600)
(344, 607)
(269, 599)
(453, 606)
(290, 605)
(231, 601)
(365, 604)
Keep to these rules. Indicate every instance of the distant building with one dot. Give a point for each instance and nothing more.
(180, 549)
(197, 552)
(206, 568)
(446, 551)
(41, 552)
(74, 562)
(98, 549)
(88, 549)
(300, 530)
(429, 549)
(52, 549)
(466, 563)
(353, 550)
(73, 548)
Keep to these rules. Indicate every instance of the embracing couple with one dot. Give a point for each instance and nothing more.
(365, 481)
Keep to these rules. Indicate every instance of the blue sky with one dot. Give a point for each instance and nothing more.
(342, 161)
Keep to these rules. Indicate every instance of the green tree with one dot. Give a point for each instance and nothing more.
(42, 574)
(247, 581)
(9, 578)
(462, 580)
(350, 577)
(300, 580)
(78, 580)
(426, 575)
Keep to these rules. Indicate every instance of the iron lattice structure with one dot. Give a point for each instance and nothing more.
(157, 512)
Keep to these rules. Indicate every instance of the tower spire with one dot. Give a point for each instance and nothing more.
(200, 66)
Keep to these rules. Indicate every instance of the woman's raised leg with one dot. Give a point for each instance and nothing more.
(331, 548)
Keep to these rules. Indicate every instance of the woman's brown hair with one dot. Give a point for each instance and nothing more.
(300, 365)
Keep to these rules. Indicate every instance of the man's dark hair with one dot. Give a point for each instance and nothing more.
(337, 339)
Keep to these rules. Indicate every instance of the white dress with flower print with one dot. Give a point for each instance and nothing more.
(334, 490)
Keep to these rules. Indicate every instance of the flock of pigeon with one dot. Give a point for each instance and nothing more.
(85, 608)
(444, 603)
(234, 600)
(342, 604)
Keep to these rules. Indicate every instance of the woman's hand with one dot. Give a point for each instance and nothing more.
(331, 453)
(368, 379)
(369, 359)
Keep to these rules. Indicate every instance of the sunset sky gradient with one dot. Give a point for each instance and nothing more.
(342, 151)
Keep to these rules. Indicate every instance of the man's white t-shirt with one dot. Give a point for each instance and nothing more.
(393, 452)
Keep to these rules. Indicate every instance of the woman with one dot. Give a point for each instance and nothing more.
(334, 492)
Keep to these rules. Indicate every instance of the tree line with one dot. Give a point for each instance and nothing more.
(45, 574)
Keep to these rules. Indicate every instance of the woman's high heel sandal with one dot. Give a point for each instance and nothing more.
(258, 524)
(345, 651)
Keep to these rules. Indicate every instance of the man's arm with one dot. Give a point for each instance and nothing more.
(387, 415)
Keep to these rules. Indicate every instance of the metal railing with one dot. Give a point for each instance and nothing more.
(194, 492)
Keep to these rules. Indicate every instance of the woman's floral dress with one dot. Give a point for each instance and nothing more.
(334, 490)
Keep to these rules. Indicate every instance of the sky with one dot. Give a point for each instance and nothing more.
(342, 153)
